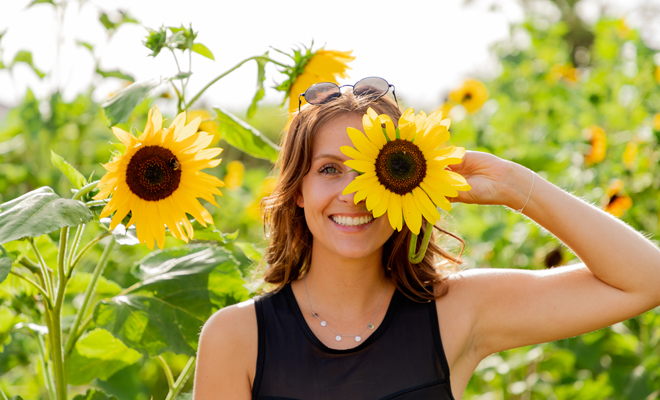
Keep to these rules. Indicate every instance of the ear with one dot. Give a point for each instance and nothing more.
(300, 201)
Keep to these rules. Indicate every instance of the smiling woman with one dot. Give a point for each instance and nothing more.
(351, 317)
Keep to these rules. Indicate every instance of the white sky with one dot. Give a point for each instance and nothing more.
(423, 47)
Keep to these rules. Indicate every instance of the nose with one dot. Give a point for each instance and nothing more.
(348, 178)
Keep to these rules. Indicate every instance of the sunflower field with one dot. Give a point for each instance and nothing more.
(98, 300)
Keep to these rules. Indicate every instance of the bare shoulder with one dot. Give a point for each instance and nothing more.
(227, 353)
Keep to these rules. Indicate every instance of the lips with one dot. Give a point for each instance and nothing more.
(351, 221)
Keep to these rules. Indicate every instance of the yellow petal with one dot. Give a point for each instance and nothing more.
(394, 212)
(361, 166)
(359, 184)
(362, 143)
(374, 132)
(425, 205)
(353, 153)
(124, 137)
(381, 208)
(389, 126)
(437, 198)
(412, 216)
(375, 196)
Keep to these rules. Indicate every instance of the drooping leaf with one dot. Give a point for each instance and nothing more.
(40, 2)
(98, 354)
(211, 233)
(76, 178)
(241, 135)
(86, 45)
(182, 75)
(39, 212)
(250, 251)
(24, 56)
(203, 50)
(5, 267)
(122, 104)
(94, 394)
(181, 287)
(114, 74)
(261, 77)
(125, 237)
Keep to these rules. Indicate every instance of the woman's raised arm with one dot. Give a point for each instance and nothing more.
(620, 277)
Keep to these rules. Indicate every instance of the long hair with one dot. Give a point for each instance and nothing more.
(289, 253)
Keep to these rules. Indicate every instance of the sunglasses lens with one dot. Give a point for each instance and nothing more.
(371, 87)
(321, 93)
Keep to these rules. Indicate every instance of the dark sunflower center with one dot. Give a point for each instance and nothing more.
(400, 166)
(613, 199)
(153, 173)
(468, 96)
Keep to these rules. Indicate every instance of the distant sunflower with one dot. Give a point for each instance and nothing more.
(158, 179)
(617, 202)
(208, 124)
(656, 122)
(310, 68)
(630, 155)
(598, 141)
(403, 169)
(567, 72)
(472, 95)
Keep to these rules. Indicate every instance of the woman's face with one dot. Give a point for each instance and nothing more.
(339, 226)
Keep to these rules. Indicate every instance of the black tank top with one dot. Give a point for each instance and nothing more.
(402, 359)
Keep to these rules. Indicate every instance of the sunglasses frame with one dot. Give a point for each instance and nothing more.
(389, 85)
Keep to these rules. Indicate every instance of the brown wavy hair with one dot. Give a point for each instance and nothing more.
(289, 251)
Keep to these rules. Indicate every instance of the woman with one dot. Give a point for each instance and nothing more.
(351, 318)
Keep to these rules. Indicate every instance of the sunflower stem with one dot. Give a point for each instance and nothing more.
(74, 247)
(168, 372)
(84, 249)
(182, 379)
(45, 366)
(44, 268)
(89, 291)
(268, 59)
(57, 354)
(85, 189)
(416, 258)
(41, 290)
(95, 203)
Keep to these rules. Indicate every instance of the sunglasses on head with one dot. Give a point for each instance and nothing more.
(372, 87)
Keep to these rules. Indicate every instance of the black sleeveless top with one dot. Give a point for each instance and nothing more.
(402, 359)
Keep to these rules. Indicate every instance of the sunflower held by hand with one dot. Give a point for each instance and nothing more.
(403, 169)
(158, 179)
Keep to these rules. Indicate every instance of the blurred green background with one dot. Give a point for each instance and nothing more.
(576, 102)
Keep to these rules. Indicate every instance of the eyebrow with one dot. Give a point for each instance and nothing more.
(327, 155)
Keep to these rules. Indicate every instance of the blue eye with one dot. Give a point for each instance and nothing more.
(329, 170)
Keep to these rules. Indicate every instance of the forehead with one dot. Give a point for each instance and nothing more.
(332, 134)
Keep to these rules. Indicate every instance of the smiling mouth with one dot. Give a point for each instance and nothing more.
(352, 221)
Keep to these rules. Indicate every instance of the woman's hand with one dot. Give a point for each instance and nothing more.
(492, 180)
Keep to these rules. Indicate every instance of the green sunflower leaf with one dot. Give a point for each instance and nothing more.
(76, 178)
(122, 104)
(114, 74)
(5, 267)
(94, 394)
(26, 57)
(261, 77)
(39, 212)
(179, 290)
(98, 354)
(244, 137)
(203, 51)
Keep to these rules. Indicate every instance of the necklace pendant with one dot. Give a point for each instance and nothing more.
(358, 338)
(338, 338)
(315, 315)
(323, 323)
(370, 326)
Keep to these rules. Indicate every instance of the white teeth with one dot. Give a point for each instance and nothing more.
(348, 221)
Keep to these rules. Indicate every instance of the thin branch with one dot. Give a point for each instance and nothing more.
(74, 246)
(183, 378)
(36, 286)
(85, 189)
(44, 268)
(84, 249)
(168, 372)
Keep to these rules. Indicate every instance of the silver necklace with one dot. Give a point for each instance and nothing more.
(339, 336)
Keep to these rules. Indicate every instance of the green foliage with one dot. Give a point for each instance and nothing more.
(39, 212)
(76, 178)
(26, 57)
(98, 355)
(261, 92)
(241, 135)
(202, 51)
(122, 104)
(94, 394)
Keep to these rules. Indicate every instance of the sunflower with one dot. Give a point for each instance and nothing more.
(234, 175)
(567, 72)
(208, 124)
(598, 141)
(617, 202)
(656, 122)
(158, 179)
(310, 68)
(403, 169)
(472, 95)
(656, 73)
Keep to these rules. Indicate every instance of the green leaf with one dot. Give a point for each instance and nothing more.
(98, 354)
(182, 75)
(76, 178)
(211, 233)
(5, 267)
(122, 104)
(114, 74)
(94, 394)
(241, 135)
(104, 287)
(40, 2)
(26, 57)
(86, 45)
(181, 287)
(261, 77)
(202, 50)
(106, 21)
(39, 212)
(155, 41)
(250, 251)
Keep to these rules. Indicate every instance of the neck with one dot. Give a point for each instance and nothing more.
(348, 286)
